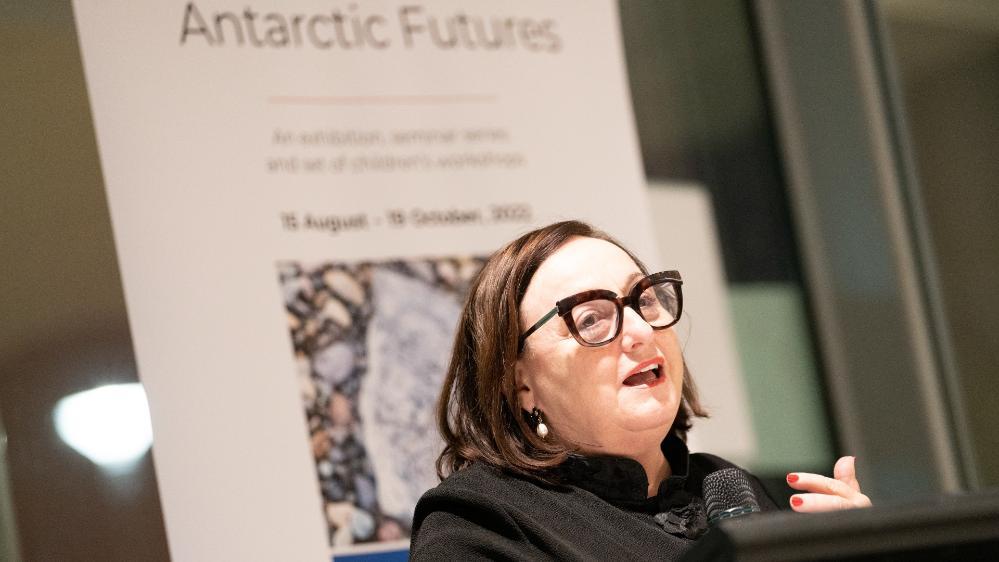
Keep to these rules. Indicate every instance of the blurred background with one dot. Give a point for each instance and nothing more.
(850, 154)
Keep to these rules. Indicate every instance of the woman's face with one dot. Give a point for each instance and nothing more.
(589, 395)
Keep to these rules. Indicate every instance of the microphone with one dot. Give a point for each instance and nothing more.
(727, 494)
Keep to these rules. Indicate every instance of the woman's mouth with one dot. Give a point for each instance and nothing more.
(648, 376)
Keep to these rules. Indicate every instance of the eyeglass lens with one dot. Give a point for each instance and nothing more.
(597, 321)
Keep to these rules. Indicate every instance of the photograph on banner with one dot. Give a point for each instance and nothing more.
(372, 342)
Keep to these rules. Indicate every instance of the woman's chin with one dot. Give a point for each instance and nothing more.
(648, 415)
(655, 403)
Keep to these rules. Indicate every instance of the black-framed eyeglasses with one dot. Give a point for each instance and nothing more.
(594, 317)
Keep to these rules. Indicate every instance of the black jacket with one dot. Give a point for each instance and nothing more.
(599, 510)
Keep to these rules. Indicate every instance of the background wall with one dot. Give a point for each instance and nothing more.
(946, 55)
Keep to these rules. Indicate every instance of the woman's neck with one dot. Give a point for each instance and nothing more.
(646, 452)
(657, 469)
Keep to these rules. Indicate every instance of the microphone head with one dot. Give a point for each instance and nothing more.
(727, 494)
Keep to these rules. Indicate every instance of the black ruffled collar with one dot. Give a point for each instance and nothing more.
(622, 482)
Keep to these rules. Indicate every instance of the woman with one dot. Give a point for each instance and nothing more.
(564, 414)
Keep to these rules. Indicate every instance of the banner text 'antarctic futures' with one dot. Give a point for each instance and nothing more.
(352, 28)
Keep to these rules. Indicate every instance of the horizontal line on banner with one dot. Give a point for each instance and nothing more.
(383, 100)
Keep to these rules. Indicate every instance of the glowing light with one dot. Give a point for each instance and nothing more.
(109, 424)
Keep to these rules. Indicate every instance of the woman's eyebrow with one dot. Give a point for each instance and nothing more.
(630, 281)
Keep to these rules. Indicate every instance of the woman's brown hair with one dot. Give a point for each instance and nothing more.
(479, 413)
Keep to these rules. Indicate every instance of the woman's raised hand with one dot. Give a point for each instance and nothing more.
(828, 494)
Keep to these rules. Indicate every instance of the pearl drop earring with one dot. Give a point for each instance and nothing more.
(541, 429)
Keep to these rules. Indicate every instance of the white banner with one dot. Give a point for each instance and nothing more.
(300, 191)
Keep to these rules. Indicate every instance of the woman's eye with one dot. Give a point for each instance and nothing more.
(587, 321)
(592, 315)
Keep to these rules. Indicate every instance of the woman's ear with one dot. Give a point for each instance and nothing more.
(524, 393)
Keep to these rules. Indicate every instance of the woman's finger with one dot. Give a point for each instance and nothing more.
(845, 471)
(808, 482)
(814, 503)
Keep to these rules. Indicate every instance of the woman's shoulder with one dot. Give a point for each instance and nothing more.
(481, 486)
(476, 512)
(477, 478)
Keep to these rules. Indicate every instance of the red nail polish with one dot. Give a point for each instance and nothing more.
(796, 501)
(792, 478)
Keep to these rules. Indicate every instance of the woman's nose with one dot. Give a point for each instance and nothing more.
(635, 331)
